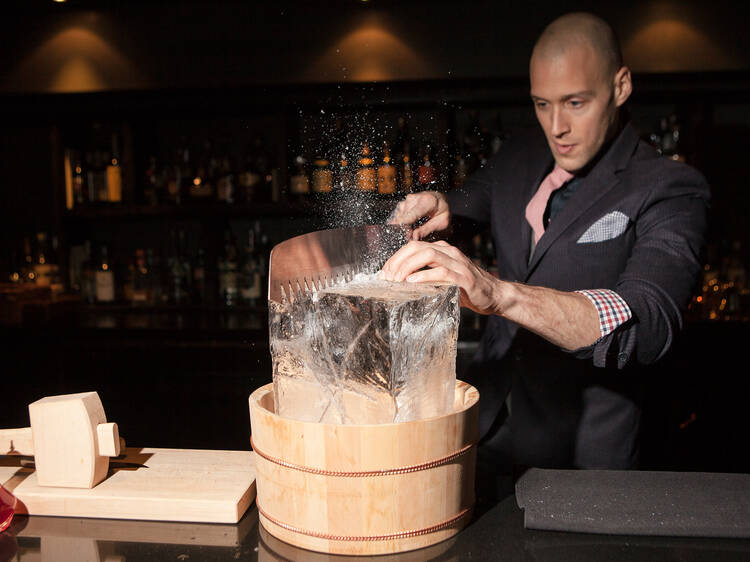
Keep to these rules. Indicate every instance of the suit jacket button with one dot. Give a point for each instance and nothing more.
(622, 356)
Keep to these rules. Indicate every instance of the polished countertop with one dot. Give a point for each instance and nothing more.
(496, 532)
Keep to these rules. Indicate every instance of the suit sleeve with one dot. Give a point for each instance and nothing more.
(662, 270)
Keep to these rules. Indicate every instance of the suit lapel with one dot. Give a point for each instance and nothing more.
(599, 181)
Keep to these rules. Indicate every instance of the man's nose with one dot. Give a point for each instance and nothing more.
(560, 124)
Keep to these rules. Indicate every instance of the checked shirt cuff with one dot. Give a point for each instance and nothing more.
(612, 308)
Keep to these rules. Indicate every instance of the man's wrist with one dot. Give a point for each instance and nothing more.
(504, 295)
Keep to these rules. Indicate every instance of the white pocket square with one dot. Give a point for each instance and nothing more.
(609, 226)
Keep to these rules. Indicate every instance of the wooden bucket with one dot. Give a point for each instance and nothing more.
(365, 489)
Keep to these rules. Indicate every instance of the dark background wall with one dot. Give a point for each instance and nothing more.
(93, 46)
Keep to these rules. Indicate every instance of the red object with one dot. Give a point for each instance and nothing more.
(7, 508)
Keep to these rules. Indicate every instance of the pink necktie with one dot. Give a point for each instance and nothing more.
(537, 205)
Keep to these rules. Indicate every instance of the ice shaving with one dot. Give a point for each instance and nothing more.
(365, 351)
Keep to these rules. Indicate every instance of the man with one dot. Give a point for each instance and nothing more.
(598, 244)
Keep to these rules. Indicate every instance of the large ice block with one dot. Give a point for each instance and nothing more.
(368, 351)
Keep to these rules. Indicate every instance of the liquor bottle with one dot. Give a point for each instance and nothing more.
(178, 273)
(56, 280)
(114, 174)
(96, 173)
(299, 182)
(201, 185)
(225, 191)
(262, 253)
(343, 178)
(249, 178)
(79, 184)
(142, 293)
(128, 281)
(227, 267)
(14, 267)
(27, 269)
(153, 265)
(250, 275)
(185, 174)
(151, 190)
(88, 273)
(459, 173)
(366, 172)
(322, 176)
(386, 173)
(403, 140)
(426, 173)
(41, 266)
(259, 181)
(406, 172)
(68, 174)
(104, 279)
(199, 277)
(175, 179)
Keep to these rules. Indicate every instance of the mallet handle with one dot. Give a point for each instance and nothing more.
(16, 441)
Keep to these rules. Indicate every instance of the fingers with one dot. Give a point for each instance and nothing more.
(413, 208)
(414, 256)
(440, 274)
(435, 224)
(417, 206)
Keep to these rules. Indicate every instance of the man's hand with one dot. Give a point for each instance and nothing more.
(567, 319)
(427, 204)
(446, 264)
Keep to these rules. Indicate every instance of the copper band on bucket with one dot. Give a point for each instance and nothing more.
(353, 538)
(365, 473)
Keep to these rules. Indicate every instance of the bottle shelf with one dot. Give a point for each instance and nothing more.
(191, 210)
(303, 207)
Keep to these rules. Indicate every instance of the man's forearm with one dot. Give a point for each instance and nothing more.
(566, 319)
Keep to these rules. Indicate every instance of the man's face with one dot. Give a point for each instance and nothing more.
(576, 103)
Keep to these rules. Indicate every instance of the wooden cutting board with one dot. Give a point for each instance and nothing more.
(147, 484)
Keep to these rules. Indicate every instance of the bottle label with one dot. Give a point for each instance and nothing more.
(114, 184)
(387, 179)
(366, 179)
(322, 181)
(44, 274)
(105, 286)
(299, 184)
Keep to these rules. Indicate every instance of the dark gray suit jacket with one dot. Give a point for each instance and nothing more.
(581, 409)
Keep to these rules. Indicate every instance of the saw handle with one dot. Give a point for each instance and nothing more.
(20, 441)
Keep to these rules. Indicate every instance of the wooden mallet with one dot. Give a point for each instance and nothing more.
(69, 438)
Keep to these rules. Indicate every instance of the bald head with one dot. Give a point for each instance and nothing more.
(578, 85)
(577, 30)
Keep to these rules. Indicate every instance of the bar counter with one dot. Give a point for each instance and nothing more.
(496, 532)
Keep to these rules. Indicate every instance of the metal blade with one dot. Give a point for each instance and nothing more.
(324, 258)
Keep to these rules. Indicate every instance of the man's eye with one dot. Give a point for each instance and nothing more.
(575, 103)
(541, 104)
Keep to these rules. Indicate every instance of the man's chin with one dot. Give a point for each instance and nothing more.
(567, 163)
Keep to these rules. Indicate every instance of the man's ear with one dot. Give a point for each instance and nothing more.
(623, 86)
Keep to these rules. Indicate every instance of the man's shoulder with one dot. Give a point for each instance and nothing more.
(651, 170)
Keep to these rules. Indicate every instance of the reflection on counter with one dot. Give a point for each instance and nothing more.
(62, 539)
